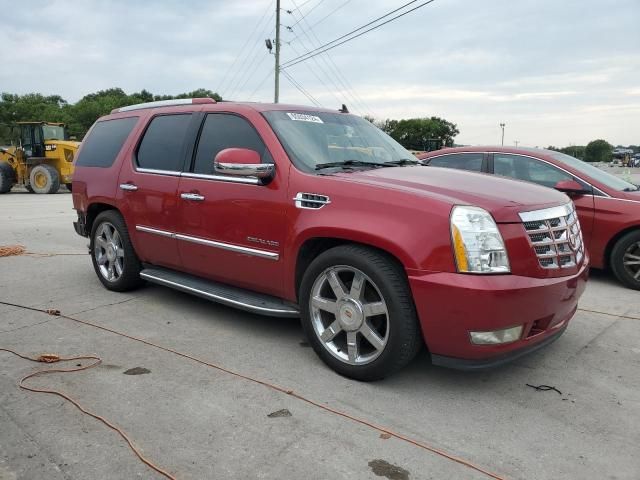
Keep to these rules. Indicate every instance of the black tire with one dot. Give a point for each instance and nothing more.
(7, 177)
(129, 278)
(69, 186)
(627, 246)
(50, 179)
(388, 279)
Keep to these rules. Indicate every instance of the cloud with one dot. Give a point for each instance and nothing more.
(555, 72)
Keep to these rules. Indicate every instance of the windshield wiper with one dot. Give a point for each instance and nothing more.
(630, 189)
(350, 163)
(401, 162)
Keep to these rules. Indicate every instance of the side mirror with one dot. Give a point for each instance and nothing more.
(242, 162)
(569, 186)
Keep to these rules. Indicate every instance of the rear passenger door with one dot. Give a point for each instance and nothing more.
(231, 229)
(470, 161)
(148, 188)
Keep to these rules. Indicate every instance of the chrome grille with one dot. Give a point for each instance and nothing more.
(555, 236)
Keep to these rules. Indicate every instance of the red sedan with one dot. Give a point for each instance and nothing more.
(608, 207)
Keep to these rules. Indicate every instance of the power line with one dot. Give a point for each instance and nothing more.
(247, 63)
(328, 45)
(332, 91)
(305, 14)
(362, 27)
(288, 76)
(260, 84)
(323, 18)
(333, 68)
(244, 46)
(255, 67)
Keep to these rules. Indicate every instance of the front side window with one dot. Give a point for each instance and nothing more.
(162, 145)
(460, 161)
(528, 169)
(104, 141)
(314, 140)
(221, 131)
(606, 178)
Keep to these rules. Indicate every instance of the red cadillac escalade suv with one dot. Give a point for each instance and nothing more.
(293, 211)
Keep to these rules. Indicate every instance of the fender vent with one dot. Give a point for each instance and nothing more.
(311, 200)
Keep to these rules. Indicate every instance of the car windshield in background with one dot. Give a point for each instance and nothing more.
(317, 140)
(607, 179)
(53, 132)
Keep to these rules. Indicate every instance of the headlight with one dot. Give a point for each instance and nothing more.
(477, 244)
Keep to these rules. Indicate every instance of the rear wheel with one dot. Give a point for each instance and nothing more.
(7, 177)
(44, 179)
(114, 259)
(625, 259)
(358, 313)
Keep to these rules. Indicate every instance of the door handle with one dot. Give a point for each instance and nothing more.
(129, 187)
(195, 197)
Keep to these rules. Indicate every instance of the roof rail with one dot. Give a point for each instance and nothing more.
(164, 103)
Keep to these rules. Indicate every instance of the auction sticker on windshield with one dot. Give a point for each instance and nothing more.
(303, 117)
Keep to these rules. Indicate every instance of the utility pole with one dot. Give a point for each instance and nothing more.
(502, 125)
(516, 142)
(276, 95)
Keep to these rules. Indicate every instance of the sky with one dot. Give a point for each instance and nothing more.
(556, 72)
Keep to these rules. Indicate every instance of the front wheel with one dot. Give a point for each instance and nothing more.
(358, 313)
(114, 259)
(625, 259)
(44, 179)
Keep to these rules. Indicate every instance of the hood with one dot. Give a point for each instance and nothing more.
(503, 197)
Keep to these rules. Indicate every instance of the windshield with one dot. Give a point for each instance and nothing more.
(53, 132)
(314, 140)
(601, 176)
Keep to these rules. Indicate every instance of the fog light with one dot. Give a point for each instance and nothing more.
(507, 335)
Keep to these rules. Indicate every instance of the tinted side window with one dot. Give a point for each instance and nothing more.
(461, 161)
(222, 131)
(528, 169)
(101, 147)
(161, 146)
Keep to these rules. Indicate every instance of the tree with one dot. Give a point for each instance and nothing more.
(79, 116)
(421, 133)
(598, 151)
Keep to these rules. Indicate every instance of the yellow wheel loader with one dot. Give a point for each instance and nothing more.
(42, 160)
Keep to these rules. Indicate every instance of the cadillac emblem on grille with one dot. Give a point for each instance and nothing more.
(555, 236)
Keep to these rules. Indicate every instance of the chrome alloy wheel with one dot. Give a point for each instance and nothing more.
(349, 315)
(631, 260)
(108, 252)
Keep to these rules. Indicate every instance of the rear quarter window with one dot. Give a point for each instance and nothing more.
(101, 147)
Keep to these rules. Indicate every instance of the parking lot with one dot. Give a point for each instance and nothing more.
(199, 422)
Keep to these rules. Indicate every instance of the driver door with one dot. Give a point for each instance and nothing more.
(231, 229)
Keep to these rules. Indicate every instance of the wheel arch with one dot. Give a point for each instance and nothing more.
(314, 246)
(95, 209)
(612, 243)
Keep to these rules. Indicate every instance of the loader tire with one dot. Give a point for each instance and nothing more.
(44, 179)
(7, 177)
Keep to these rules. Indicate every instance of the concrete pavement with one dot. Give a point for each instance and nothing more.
(201, 423)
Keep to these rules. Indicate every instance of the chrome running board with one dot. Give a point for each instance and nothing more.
(218, 292)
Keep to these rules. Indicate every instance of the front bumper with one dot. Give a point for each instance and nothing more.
(450, 305)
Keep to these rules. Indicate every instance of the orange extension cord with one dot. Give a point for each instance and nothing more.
(286, 391)
(20, 250)
(53, 358)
